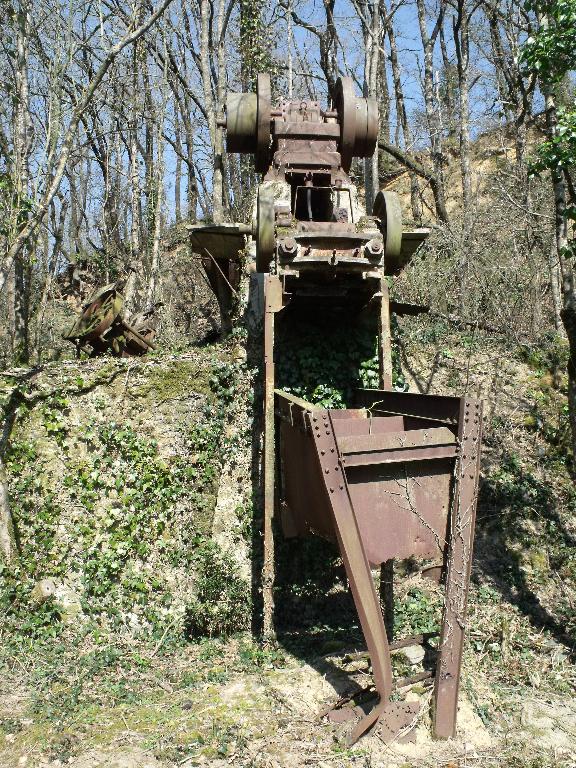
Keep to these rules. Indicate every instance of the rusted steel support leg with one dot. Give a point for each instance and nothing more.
(385, 338)
(272, 304)
(355, 562)
(458, 570)
(385, 364)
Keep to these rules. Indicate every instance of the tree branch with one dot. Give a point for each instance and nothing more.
(413, 165)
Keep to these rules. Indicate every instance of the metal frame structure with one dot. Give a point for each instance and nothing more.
(396, 476)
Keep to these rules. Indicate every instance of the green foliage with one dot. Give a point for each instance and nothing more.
(548, 356)
(255, 42)
(551, 50)
(559, 152)
(54, 412)
(558, 155)
(121, 518)
(551, 53)
(222, 603)
(325, 359)
(533, 525)
(417, 612)
(253, 656)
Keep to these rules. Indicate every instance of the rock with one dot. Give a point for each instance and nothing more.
(240, 354)
(66, 599)
(68, 602)
(414, 654)
(44, 590)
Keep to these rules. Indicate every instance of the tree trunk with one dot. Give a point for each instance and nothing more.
(51, 271)
(555, 285)
(215, 133)
(157, 230)
(135, 267)
(568, 313)
(177, 170)
(462, 47)
(403, 119)
(432, 116)
(22, 125)
(7, 534)
(192, 186)
(371, 68)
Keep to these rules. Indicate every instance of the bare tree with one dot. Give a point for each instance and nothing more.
(431, 106)
(55, 173)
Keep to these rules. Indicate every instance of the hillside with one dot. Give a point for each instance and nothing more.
(272, 206)
(492, 153)
(130, 665)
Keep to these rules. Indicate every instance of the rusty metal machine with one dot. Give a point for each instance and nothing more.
(395, 476)
(102, 328)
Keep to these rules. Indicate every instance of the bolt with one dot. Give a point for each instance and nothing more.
(373, 248)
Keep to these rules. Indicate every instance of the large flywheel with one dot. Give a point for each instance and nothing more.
(358, 118)
(248, 122)
(265, 235)
(263, 97)
(345, 104)
(241, 121)
(388, 209)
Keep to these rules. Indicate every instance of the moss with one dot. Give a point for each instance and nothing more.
(178, 379)
(168, 724)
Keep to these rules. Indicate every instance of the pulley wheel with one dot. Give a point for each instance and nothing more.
(265, 235)
(366, 136)
(345, 103)
(388, 209)
(263, 99)
(241, 120)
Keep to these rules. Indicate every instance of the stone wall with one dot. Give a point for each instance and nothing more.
(129, 486)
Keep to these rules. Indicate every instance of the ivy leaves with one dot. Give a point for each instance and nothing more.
(552, 49)
(325, 360)
(551, 53)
